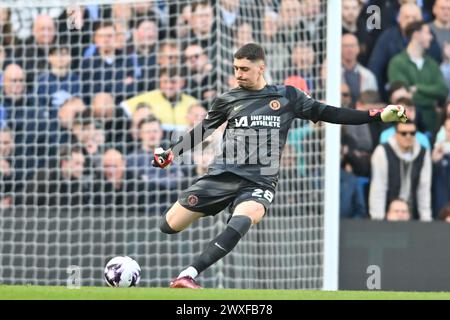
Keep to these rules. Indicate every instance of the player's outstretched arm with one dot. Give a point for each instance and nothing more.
(308, 108)
(391, 113)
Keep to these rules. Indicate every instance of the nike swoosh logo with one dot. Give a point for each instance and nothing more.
(237, 108)
(219, 246)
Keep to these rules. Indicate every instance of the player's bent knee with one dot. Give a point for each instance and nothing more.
(252, 209)
(166, 228)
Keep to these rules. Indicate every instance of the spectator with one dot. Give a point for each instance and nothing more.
(357, 77)
(352, 202)
(230, 14)
(397, 91)
(122, 36)
(121, 13)
(411, 113)
(353, 22)
(2, 62)
(168, 103)
(441, 171)
(298, 82)
(446, 114)
(116, 188)
(63, 186)
(196, 113)
(303, 64)
(169, 54)
(158, 9)
(346, 96)
(401, 168)
(445, 68)
(68, 112)
(59, 83)
(277, 54)
(202, 28)
(11, 169)
(392, 41)
(112, 120)
(143, 110)
(150, 136)
(28, 53)
(142, 59)
(78, 32)
(440, 26)
(7, 37)
(201, 76)
(312, 26)
(421, 73)
(398, 210)
(19, 112)
(243, 35)
(362, 139)
(289, 25)
(91, 137)
(105, 70)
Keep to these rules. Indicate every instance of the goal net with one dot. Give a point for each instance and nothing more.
(82, 86)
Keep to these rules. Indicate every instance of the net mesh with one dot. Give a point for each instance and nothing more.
(79, 85)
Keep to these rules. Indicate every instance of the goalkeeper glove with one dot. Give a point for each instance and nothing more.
(162, 158)
(392, 113)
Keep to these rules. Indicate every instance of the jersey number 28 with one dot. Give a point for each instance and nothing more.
(259, 193)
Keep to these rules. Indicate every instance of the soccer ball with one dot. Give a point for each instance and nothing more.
(122, 271)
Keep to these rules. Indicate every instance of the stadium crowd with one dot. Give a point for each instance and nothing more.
(87, 94)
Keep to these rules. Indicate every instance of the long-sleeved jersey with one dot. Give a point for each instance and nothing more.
(258, 124)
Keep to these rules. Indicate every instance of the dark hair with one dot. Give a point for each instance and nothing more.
(405, 102)
(250, 51)
(400, 200)
(369, 97)
(200, 3)
(414, 27)
(407, 122)
(66, 151)
(396, 85)
(148, 119)
(149, 17)
(85, 118)
(99, 24)
(58, 49)
(169, 42)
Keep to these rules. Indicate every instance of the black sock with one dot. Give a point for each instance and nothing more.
(223, 243)
(165, 228)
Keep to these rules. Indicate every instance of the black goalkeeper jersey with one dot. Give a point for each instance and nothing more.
(258, 124)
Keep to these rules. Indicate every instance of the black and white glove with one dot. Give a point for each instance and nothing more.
(162, 158)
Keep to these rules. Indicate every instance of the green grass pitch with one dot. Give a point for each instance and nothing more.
(106, 293)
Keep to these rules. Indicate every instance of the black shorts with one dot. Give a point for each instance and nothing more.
(212, 194)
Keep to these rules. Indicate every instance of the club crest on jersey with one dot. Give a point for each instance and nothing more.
(275, 104)
(192, 200)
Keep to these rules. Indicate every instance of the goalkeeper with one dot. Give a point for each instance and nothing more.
(259, 116)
